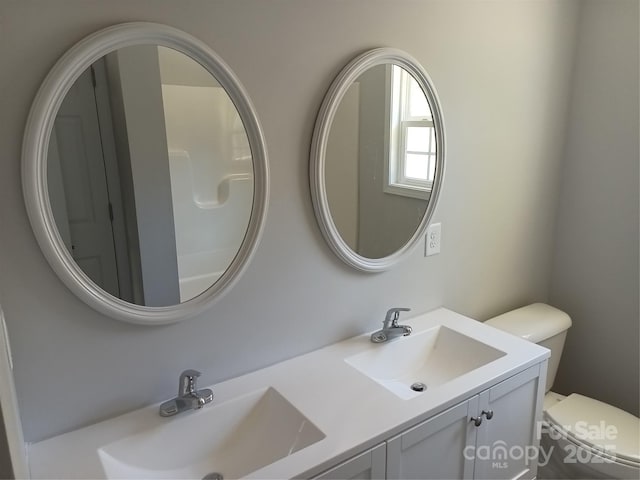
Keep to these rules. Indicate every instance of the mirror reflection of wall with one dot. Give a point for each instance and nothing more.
(380, 161)
(150, 176)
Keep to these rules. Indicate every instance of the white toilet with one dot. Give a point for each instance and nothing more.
(581, 437)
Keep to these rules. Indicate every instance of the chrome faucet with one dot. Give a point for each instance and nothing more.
(189, 397)
(390, 328)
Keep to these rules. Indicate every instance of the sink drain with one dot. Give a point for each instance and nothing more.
(213, 476)
(418, 387)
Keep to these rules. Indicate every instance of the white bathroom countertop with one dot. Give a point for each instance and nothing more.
(353, 411)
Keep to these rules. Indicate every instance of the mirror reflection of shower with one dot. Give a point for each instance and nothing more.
(211, 171)
(150, 176)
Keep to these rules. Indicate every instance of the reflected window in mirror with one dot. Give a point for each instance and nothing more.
(377, 159)
(410, 161)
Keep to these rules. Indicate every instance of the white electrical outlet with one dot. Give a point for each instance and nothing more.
(433, 239)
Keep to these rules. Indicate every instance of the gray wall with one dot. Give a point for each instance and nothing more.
(502, 71)
(595, 272)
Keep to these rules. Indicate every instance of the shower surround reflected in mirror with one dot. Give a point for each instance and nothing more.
(150, 175)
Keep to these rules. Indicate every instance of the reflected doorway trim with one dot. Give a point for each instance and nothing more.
(34, 166)
(326, 114)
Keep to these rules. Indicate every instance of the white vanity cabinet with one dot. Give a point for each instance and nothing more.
(491, 435)
(368, 465)
(507, 445)
(503, 444)
(346, 421)
(435, 448)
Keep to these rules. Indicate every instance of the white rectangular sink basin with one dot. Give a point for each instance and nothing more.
(432, 357)
(234, 438)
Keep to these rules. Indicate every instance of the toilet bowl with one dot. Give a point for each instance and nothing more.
(580, 437)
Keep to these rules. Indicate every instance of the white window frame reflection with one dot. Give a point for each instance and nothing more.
(399, 121)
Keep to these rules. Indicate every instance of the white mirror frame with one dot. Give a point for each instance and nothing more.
(34, 166)
(320, 139)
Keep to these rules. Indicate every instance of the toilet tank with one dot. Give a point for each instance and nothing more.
(539, 323)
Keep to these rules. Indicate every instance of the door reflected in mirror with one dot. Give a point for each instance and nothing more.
(150, 176)
(380, 161)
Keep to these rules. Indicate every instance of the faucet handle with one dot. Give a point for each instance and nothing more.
(191, 373)
(393, 314)
(187, 383)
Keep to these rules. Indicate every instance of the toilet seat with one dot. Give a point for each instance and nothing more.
(591, 453)
(605, 431)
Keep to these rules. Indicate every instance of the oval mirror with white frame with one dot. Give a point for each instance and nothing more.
(144, 173)
(377, 159)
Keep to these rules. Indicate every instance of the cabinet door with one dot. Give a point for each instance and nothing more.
(507, 443)
(367, 465)
(437, 448)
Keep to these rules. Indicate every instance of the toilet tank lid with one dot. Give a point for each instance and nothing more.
(536, 322)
